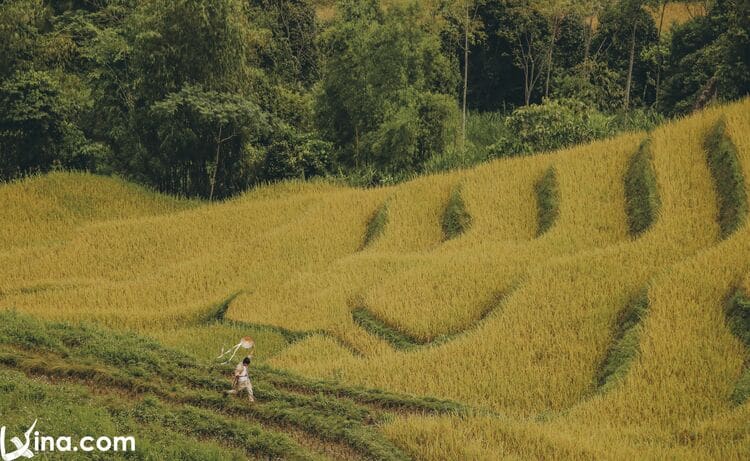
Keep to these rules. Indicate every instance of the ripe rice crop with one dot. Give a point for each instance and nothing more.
(531, 368)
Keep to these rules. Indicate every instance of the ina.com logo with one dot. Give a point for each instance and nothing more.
(34, 442)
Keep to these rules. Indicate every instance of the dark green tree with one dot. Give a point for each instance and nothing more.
(387, 97)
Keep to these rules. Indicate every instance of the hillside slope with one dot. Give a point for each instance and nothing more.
(580, 294)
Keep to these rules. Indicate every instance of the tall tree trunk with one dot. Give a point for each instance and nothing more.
(216, 166)
(661, 58)
(587, 42)
(552, 40)
(629, 80)
(466, 77)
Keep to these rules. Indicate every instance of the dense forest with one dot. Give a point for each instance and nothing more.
(210, 97)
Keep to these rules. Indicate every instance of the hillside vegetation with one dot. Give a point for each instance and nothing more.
(590, 303)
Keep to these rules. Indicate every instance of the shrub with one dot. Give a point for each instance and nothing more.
(548, 201)
(555, 124)
(728, 179)
(641, 193)
(625, 342)
(738, 320)
(293, 156)
(456, 218)
(376, 225)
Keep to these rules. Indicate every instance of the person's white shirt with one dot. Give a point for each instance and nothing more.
(241, 372)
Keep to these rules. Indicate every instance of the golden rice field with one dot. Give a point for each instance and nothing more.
(514, 324)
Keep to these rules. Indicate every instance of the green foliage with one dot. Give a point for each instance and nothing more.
(738, 320)
(292, 155)
(625, 343)
(37, 130)
(367, 320)
(548, 201)
(184, 396)
(642, 200)
(729, 180)
(291, 53)
(144, 89)
(738, 317)
(376, 225)
(20, 21)
(708, 58)
(203, 137)
(622, 24)
(593, 83)
(410, 113)
(485, 128)
(553, 125)
(456, 218)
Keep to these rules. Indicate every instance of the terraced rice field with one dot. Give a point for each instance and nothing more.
(588, 304)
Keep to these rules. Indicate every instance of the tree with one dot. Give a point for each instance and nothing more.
(194, 122)
(555, 12)
(464, 14)
(708, 58)
(289, 51)
(529, 35)
(625, 30)
(495, 79)
(388, 87)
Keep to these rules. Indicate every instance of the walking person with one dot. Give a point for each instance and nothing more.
(241, 381)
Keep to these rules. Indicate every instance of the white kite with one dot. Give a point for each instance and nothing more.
(245, 343)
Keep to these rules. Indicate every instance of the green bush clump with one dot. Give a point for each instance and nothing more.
(642, 201)
(548, 201)
(738, 320)
(728, 178)
(625, 343)
(456, 218)
(376, 225)
(553, 125)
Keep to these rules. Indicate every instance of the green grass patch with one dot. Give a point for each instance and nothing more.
(187, 396)
(376, 225)
(625, 343)
(375, 397)
(728, 179)
(738, 320)
(398, 339)
(642, 200)
(548, 201)
(456, 218)
(401, 340)
(217, 312)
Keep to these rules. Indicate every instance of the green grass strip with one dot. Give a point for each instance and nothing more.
(738, 320)
(217, 312)
(202, 423)
(456, 218)
(399, 339)
(728, 179)
(121, 361)
(548, 201)
(376, 225)
(376, 397)
(625, 343)
(320, 416)
(368, 321)
(642, 201)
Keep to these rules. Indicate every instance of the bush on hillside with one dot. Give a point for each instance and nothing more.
(549, 126)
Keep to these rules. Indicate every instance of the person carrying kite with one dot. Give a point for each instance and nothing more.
(241, 381)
